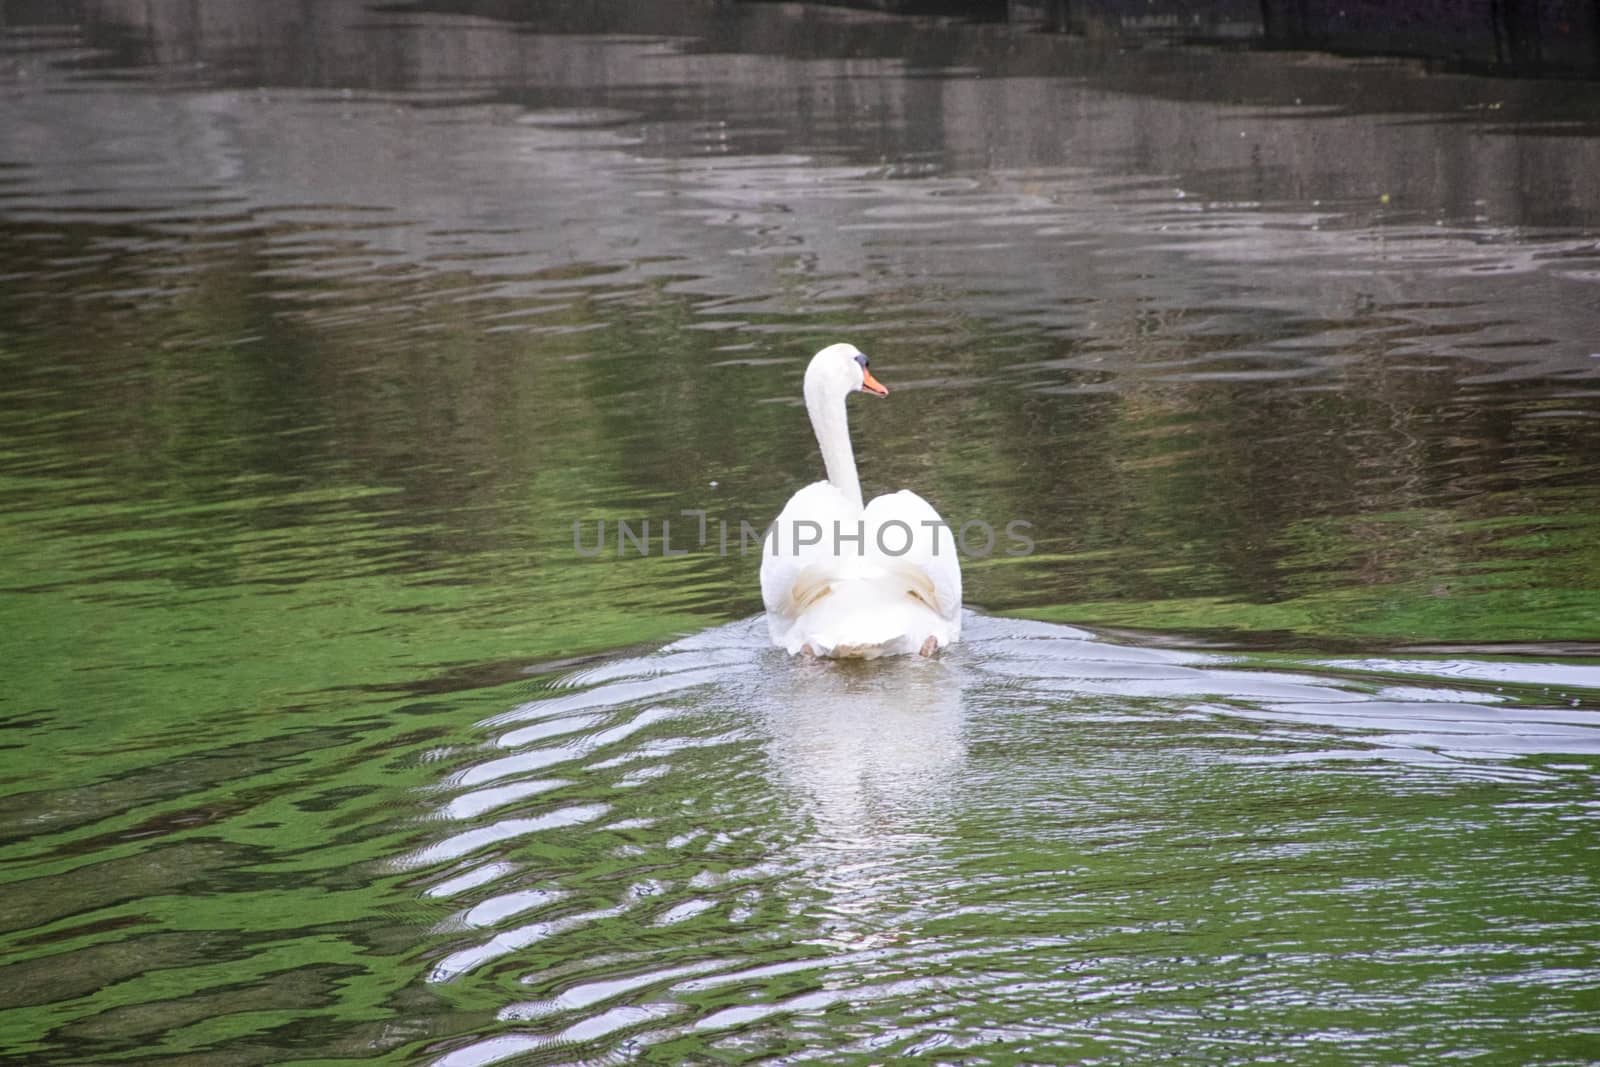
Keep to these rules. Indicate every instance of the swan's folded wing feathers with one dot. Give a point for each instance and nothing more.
(794, 577)
(929, 564)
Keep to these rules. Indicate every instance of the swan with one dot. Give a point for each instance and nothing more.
(847, 581)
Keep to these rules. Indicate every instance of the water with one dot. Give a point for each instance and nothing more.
(321, 328)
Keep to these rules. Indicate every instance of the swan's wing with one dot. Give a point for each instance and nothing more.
(793, 575)
(929, 562)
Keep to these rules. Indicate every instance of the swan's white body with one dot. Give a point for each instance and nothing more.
(844, 580)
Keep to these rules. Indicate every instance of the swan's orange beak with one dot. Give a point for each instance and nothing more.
(871, 384)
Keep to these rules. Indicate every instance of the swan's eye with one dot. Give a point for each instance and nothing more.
(861, 359)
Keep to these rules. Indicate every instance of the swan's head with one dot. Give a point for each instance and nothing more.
(841, 369)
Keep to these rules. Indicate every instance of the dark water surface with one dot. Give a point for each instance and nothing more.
(321, 324)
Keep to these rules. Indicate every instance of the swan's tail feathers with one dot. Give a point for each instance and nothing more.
(889, 614)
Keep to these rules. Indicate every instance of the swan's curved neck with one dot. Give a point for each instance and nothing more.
(832, 428)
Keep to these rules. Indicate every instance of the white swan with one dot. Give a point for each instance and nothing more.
(846, 581)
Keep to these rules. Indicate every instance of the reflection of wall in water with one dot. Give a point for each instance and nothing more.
(1525, 36)
(1315, 134)
(1155, 18)
(1521, 35)
(1180, 113)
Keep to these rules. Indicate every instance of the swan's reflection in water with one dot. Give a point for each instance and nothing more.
(873, 753)
(874, 748)
(717, 850)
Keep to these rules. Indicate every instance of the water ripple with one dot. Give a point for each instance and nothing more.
(802, 883)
